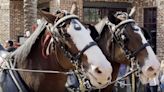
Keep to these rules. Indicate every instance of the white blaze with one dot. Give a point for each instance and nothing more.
(151, 60)
(95, 57)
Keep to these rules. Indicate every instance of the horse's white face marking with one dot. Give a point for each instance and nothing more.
(95, 57)
(151, 60)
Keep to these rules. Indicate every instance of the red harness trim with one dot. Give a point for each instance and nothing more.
(45, 42)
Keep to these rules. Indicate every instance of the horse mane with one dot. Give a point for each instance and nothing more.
(99, 29)
(146, 33)
(93, 32)
(23, 51)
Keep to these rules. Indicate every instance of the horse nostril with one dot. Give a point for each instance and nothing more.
(99, 83)
(155, 74)
(98, 70)
(150, 69)
(108, 78)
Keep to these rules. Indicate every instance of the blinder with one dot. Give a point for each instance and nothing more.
(121, 36)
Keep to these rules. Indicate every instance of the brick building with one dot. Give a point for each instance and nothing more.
(149, 14)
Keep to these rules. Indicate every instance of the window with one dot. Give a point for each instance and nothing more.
(93, 15)
(150, 23)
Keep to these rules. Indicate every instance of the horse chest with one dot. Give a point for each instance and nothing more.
(53, 83)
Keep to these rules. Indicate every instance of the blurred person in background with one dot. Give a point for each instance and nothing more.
(9, 46)
(1, 47)
(16, 44)
(152, 86)
(162, 76)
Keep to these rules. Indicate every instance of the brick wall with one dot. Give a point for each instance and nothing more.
(16, 17)
(138, 16)
(160, 29)
(4, 20)
(11, 19)
(160, 24)
(66, 5)
(110, 0)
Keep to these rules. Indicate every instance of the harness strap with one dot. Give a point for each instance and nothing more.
(140, 49)
(45, 44)
(54, 29)
(36, 71)
(114, 27)
(12, 76)
(64, 19)
(120, 78)
(124, 22)
(85, 48)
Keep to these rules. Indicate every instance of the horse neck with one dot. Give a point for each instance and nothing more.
(36, 61)
(55, 58)
(62, 59)
(110, 48)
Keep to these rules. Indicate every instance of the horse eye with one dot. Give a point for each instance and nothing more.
(135, 29)
(77, 27)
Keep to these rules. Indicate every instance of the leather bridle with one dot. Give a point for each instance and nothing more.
(74, 58)
(57, 36)
(118, 38)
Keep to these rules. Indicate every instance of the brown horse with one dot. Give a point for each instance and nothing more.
(122, 41)
(42, 63)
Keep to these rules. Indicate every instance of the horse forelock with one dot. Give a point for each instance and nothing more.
(93, 32)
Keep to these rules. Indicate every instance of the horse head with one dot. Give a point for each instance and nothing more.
(77, 45)
(122, 40)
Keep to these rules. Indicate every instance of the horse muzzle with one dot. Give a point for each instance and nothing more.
(98, 77)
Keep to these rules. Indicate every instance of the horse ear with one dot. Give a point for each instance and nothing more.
(49, 17)
(132, 11)
(74, 8)
(113, 19)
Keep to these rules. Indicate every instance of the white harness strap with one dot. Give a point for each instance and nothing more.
(64, 19)
(6, 64)
(124, 22)
(114, 27)
(48, 47)
(54, 28)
